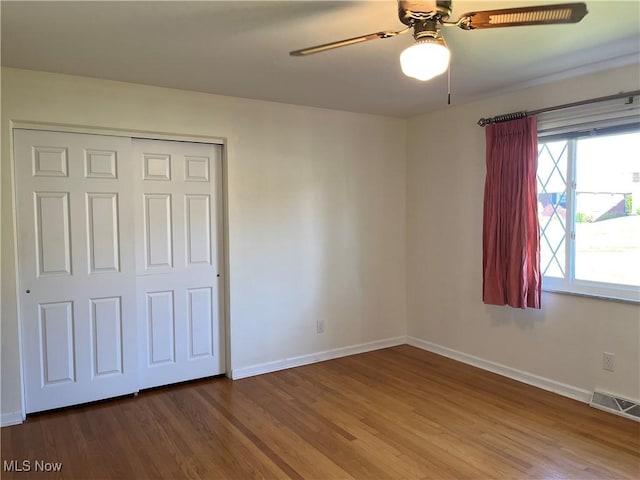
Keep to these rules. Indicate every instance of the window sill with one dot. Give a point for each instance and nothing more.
(631, 297)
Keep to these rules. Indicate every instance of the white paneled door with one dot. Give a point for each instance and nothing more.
(76, 267)
(119, 248)
(178, 260)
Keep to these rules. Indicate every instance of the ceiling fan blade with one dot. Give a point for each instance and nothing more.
(515, 17)
(349, 41)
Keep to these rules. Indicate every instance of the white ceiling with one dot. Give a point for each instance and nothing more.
(240, 48)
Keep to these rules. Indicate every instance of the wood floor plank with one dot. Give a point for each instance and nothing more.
(398, 413)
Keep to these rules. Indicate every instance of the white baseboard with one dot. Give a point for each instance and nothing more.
(259, 369)
(12, 418)
(524, 377)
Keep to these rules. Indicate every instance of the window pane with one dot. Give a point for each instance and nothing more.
(552, 247)
(607, 210)
(552, 204)
(552, 165)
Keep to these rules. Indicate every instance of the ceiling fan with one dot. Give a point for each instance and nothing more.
(429, 56)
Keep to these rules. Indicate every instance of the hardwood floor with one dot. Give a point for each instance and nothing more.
(398, 413)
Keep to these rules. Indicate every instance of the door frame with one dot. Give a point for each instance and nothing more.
(129, 133)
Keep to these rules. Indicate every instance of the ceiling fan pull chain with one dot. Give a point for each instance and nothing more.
(449, 84)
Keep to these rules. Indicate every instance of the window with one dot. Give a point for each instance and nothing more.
(589, 207)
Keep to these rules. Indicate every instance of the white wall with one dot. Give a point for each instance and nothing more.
(445, 179)
(316, 210)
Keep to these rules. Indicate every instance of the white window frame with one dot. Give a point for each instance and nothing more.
(618, 116)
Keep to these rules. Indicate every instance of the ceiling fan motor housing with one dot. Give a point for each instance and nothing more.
(423, 29)
(411, 12)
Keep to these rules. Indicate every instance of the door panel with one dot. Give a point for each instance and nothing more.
(106, 321)
(200, 321)
(178, 220)
(103, 232)
(57, 351)
(76, 267)
(53, 233)
(161, 327)
(158, 235)
(198, 229)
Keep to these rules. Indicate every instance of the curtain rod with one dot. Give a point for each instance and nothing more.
(483, 122)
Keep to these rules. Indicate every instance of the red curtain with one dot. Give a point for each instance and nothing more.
(511, 233)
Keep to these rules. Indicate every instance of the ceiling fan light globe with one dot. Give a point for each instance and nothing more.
(425, 59)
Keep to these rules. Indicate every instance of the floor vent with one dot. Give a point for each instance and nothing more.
(615, 404)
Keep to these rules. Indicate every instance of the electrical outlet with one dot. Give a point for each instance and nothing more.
(320, 325)
(609, 361)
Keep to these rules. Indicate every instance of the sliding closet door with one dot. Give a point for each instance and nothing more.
(178, 286)
(76, 267)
